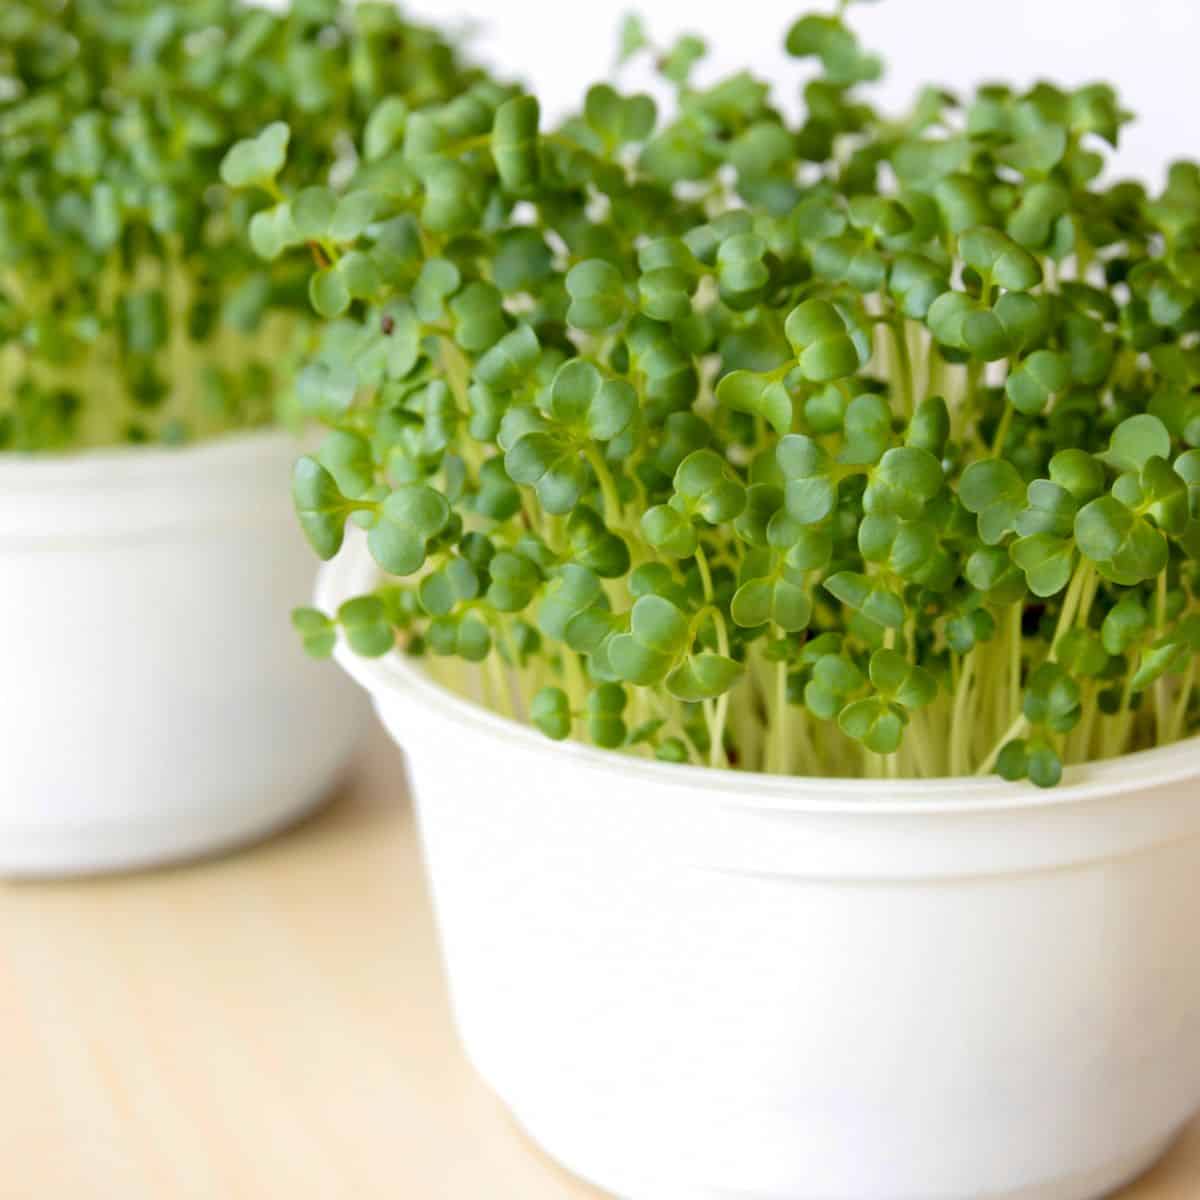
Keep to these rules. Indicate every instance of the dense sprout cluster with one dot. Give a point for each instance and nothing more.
(841, 447)
(131, 308)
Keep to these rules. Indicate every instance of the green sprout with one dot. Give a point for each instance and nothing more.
(131, 307)
(845, 447)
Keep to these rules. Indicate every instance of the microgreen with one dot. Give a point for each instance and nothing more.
(848, 446)
(132, 308)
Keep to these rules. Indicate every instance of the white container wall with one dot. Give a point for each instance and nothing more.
(691, 985)
(154, 700)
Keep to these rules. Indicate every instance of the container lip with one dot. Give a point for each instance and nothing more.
(393, 676)
(113, 468)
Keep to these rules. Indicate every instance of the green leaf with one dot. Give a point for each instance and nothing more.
(442, 590)
(1164, 496)
(384, 129)
(745, 391)
(1038, 152)
(901, 681)
(1036, 382)
(312, 212)
(809, 501)
(916, 282)
(830, 358)
(705, 486)
(837, 674)
(868, 430)
(947, 318)
(410, 516)
(1125, 547)
(1052, 698)
(575, 590)
(619, 118)
(1081, 652)
(254, 162)
(669, 531)
(961, 200)
(929, 428)
(1043, 764)
(1135, 441)
(550, 711)
(997, 257)
(1012, 763)
(454, 197)
(419, 508)
(328, 293)
(1124, 625)
(508, 362)
(467, 637)
(1164, 656)
(762, 600)
(1079, 473)
(903, 483)
(368, 631)
(742, 271)
(874, 600)
(763, 501)
(271, 231)
(598, 297)
(994, 491)
(703, 677)
(347, 457)
(637, 663)
(991, 570)
(317, 632)
(984, 335)
(810, 490)
(1048, 562)
(583, 399)
(522, 260)
(479, 318)
(873, 722)
(657, 623)
(515, 143)
(821, 342)
(1051, 509)
(665, 294)
(631, 37)
(594, 546)
(514, 582)
(359, 276)
(604, 708)
(969, 629)
(320, 506)
(438, 279)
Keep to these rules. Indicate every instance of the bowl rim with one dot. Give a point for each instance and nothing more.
(114, 467)
(394, 675)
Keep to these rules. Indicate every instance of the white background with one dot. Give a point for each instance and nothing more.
(1149, 48)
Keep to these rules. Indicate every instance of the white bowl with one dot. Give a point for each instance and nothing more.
(696, 985)
(155, 703)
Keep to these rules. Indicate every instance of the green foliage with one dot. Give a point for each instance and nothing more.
(841, 446)
(141, 298)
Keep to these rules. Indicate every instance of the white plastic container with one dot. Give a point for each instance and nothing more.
(692, 985)
(155, 703)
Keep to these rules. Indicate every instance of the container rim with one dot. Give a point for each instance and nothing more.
(353, 572)
(114, 467)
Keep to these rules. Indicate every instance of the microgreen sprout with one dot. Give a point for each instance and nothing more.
(131, 308)
(845, 447)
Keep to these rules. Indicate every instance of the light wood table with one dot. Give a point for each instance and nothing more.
(272, 1026)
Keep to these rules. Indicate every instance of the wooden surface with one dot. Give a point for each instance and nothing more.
(272, 1026)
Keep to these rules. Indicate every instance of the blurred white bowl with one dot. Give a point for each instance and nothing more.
(155, 703)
